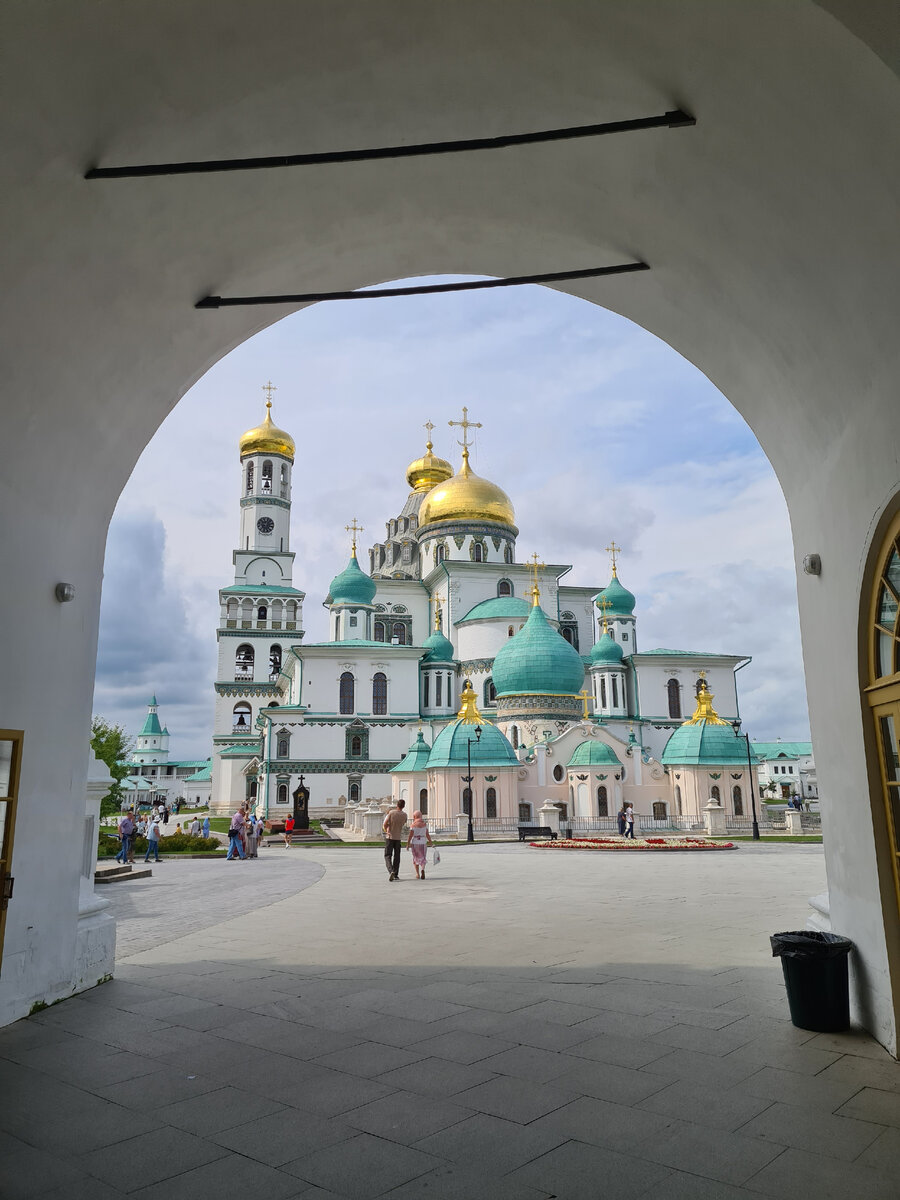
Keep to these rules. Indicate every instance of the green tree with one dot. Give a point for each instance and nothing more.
(113, 744)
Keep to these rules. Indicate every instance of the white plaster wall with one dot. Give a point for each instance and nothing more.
(322, 674)
(654, 674)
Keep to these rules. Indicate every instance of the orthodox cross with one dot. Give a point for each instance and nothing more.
(428, 428)
(584, 696)
(612, 549)
(353, 530)
(269, 388)
(534, 566)
(604, 605)
(466, 425)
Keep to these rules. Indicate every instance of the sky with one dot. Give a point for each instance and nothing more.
(595, 428)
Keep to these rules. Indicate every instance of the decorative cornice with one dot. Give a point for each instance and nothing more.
(247, 689)
(248, 501)
(335, 766)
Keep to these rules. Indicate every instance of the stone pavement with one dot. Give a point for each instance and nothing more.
(523, 1024)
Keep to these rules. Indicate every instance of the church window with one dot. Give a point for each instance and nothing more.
(241, 717)
(602, 801)
(504, 588)
(570, 633)
(243, 661)
(281, 796)
(659, 810)
(354, 792)
(715, 794)
(490, 802)
(467, 801)
(438, 680)
(514, 737)
(423, 801)
(490, 692)
(249, 478)
(439, 552)
(267, 477)
(603, 691)
(477, 552)
(559, 773)
(673, 689)
(379, 693)
(624, 637)
(407, 552)
(262, 612)
(379, 631)
(254, 789)
(426, 689)
(356, 743)
(274, 661)
(353, 622)
(398, 633)
(615, 691)
(507, 554)
(284, 481)
(283, 747)
(510, 631)
(678, 807)
(346, 692)
(524, 813)
(449, 688)
(355, 747)
(737, 800)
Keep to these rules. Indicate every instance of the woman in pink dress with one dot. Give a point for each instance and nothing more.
(418, 841)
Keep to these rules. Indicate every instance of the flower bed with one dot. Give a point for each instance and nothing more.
(613, 843)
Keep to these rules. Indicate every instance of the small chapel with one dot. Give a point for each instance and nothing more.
(455, 675)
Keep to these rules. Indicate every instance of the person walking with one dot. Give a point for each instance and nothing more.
(126, 833)
(621, 819)
(418, 841)
(629, 822)
(152, 839)
(260, 831)
(250, 828)
(235, 841)
(392, 828)
(206, 827)
(288, 830)
(195, 827)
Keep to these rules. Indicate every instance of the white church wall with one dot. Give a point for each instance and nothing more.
(654, 674)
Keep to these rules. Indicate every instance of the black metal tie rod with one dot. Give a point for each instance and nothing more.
(675, 119)
(429, 289)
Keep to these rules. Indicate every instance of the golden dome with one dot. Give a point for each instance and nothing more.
(425, 472)
(267, 439)
(467, 497)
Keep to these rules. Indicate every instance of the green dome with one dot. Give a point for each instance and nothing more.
(440, 648)
(593, 754)
(352, 586)
(493, 750)
(621, 600)
(498, 608)
(416, 756)
(537, 661)
(705, 744)
(606, 650)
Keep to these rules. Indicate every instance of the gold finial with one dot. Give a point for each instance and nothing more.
(468, 712)
(705, 711)
(353, 530)
(269, 388)
(429, 427)
(613, 550)
(466, 426)
(534, 566)
(586, 716)
(604, 605)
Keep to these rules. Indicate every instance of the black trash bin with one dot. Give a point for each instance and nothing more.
(816, 978)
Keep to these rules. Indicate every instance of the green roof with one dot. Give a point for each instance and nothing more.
(416, 757)
(151, 725)
(499, 608)
(703, 743)
(683, 653)
(241, 752)
(606, 650)
(621, 600)
(440, 649)
(202, 776)
(594, 754)
(782, 749)
(537, 661)
(491, 750)
(262, 589)
(352, 586)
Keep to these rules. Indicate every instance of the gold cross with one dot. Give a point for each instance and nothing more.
(269, 388)
(603, 604)
(466, 426)
(612, 549)
(429, 427)
(535, 565)
(584, 696)
(353, 530)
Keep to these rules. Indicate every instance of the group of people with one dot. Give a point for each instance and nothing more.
(418, 840)
(626, 821)
(244, 834)
(151, 826)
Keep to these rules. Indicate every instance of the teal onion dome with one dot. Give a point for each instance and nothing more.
(352, 586)
(621, 601)
(537, 661)
(416, 758)
(606, 652)
(450, 747)
(593, 754)
(704, 744)
(440, 648)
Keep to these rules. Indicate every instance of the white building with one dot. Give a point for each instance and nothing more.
(154, 776)
(790, 766)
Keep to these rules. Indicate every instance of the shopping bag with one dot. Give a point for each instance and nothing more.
(436, 857)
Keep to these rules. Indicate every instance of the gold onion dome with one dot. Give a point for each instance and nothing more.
(267, 439)
(467, 497)
(425, 472)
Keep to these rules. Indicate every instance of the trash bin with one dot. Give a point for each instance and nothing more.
(816, 978)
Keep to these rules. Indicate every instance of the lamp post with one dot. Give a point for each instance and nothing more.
(736, 726)
(470, 832)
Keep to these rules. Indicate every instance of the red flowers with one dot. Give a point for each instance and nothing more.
(657, 843)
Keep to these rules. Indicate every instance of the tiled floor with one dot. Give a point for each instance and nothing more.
(521, 1025)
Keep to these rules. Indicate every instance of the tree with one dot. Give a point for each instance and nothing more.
(113, 745)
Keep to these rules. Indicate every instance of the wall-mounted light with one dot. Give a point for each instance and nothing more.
(65, 592)
(812, 564)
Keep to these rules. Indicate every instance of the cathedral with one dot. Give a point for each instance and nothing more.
(451, 650)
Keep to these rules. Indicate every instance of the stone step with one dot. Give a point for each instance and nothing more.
(119, 873)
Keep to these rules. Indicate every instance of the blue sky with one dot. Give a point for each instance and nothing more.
(595, 428)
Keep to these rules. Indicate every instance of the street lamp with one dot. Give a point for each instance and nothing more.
(736, 726)
(470, 832)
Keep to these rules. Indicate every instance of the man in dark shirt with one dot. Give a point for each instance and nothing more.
(392, 826)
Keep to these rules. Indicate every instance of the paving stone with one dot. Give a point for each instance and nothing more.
(884, 1153)
(88, 1188)
(864, 1072)
(578, 1171)
(30, 1173)
(515, 1099)
(680, 1186)
(75, 1062)
(365, 1167)
(530, 1062)
(811, 1091)
(605, 1081)
(458, 1182)
(871, 1104)
(711, 1153)
(463, 1047)
(620, 1051)
(769, 1052)
(437, 1077)
(719, 1108)
(369, 1059)
(854, 1041)
(215, 1111)
(797, 1173)
(501, 1145)
(707, 1041)
(323, 1092)
(228, 1176)
(406, 1117)
(162, 1087)
(718, 1071)
(805, 1129)
(557, 1012)
(283, 1136)
(604, 1123)
(135, 1163)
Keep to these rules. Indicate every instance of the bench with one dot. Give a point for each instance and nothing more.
(536, 831)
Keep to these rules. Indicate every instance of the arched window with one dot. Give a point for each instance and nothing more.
(353, 792)
(423, 801)
(426, 689)
(379, 631)
(602, 801)
(514, 737)
(406, 555)
(659, 810)
(282, 793)
(284, 481)
(241, 717)
(559, 773)
(467, 801)
(398, 633)
(570, 633)
(490, 802)
(438, 681)
(673, 688)
(274, 661)
(603, 691)
(379, 693)
(249, 478)
(254, 789)
(715, 794)
(356, 747)
(507, 554)
(524, 813)
(347, 689)
(262, 612)
(615, 691)
(243, 661)
(267, 477)
(283, 748)
(504, 588)
(490, 692)
(678, 808)
(477, 552)
(439, 552)
(737, 799)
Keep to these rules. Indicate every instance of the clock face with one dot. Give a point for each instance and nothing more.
(265, 524)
